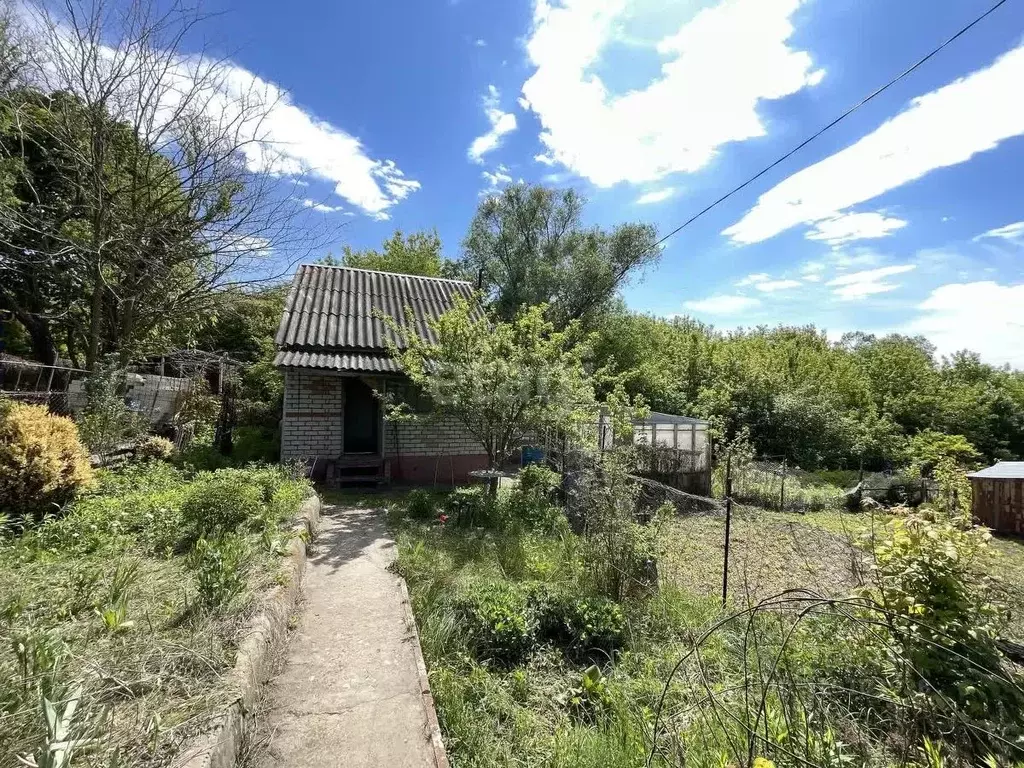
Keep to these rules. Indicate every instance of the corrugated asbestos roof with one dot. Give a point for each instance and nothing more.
(1003, 470)
(331, 316)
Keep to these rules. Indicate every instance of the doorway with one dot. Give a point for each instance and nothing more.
(362, 418)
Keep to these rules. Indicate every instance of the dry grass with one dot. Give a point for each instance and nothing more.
(773, 551)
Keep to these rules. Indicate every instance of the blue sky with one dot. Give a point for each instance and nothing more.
(907, 217)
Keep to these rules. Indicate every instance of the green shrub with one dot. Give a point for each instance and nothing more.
(218, 567)
(219, 504)
(201, 456)
(42, 461)
(532, 501)
(153, 447)
(500, 623)
(106, 421)
(420, 505)
(470, 507)
(583, 626)
(939, 648)
(255, 443)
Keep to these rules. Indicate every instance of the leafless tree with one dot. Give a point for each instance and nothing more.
(167, 158)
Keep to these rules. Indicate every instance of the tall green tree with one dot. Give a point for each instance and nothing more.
(528, 245)
(416, 254)
(501, 381)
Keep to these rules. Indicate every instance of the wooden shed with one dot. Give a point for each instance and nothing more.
(998, 496)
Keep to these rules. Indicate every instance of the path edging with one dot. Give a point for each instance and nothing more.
(433, 725)
(218, 747)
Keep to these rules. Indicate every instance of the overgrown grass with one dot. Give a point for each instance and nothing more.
(108, 606)
(771, 486)
(797, 679)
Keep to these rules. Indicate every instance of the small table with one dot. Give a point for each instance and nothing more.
(491, 477)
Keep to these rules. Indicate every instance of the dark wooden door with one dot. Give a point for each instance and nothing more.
(362, 418)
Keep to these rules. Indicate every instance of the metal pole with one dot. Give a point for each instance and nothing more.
(728, 526)
(782, 488)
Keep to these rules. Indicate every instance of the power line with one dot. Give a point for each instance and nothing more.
(838, 120)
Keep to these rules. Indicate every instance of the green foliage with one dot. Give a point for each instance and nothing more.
(153, 447)
(219, 504)
(941, 626)
(499, 622)
(416, 254)
(42, 463)
(619, 550)
(532, 501)
(114, 611)
(255, 444)
(954, 497)
(817, 403)
(471, 507)
(111, 587)
(531, 248)
(420, 505)
(590, 698)
(926, 449)
(219, 570)
(499, 380)
(773, 486)
(106, 421)
(584, 626)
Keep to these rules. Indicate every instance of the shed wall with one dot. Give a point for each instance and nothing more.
(314, 410)
(999, 503)
(423, 451)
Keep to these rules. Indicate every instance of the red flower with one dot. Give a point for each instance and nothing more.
(442, 519)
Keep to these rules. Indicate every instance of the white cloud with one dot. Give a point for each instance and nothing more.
(501, 124)
(246, 244)
(480, 43)
(495, 179)
(770, 286)
(655, 196)
(984, 317)
(845, 228)
(858, 285)
(757, 277)
(721, 304)
(322, 207)
(811, 271)
(762, 281)
(1012, 233)
(722, 62)
(940, 129)
(292, 141)
(544, 159)
(274, 134)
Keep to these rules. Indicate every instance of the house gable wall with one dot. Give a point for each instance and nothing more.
(314, 415)
(425, 450)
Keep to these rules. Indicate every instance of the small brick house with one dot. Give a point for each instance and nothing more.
(331, 347)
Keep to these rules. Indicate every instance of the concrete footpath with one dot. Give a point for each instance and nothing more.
(350, 692)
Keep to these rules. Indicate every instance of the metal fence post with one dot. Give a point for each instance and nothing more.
(728, 526)
(782, 487)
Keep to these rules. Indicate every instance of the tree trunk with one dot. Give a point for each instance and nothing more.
(92, 352)
(44, 348)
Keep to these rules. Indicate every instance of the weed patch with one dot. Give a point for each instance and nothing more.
(116, 625)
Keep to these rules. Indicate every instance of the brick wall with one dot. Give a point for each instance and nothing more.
(314, 408)
(429, 437)
(419, 451)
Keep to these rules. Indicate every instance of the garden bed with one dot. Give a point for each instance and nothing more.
(532, 663)
(130, 606)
